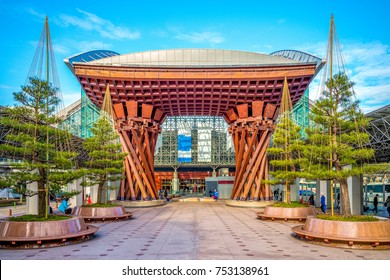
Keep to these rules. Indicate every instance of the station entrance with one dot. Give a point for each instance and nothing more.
(242, 87)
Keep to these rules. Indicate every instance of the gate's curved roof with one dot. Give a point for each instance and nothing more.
(194, 81)
(193, 58)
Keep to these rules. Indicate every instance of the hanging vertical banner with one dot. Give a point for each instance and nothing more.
(184, 143)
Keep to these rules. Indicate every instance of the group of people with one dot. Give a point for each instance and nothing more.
(386, 204)
(278, 196)
(375, 203)
(163, 194)
(214, 194)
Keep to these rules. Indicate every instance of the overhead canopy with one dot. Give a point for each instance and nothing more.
(194, 81)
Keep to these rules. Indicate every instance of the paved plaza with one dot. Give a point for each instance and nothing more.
(192, 231)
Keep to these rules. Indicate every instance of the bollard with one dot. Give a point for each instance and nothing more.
(10, 212)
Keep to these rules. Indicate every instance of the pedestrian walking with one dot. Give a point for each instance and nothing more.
(216, 194)
(375, 204)
(338, 201)
(311, 199)
(323, 205)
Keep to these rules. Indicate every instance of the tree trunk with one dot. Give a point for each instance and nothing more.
(100, 190)
(288, 191)
(345, 202)
(41, 198)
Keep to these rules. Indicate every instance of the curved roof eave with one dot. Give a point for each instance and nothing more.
(301, 56)
(204, 58)
(87, 57)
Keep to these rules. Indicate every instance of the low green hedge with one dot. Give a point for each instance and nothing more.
(36, 218)
(348, 219)
(292, 204)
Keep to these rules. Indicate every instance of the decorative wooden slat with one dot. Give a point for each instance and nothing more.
(158, 115)
(119, 110)
(231, 115)
(242, 110)
(147, 111)
(269, 111)
(132, 108)
(257, 108)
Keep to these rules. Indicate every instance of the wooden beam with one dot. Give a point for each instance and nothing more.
(247, 155)
(129, 148)
(260, 175)
(257, 164)
(129, 179)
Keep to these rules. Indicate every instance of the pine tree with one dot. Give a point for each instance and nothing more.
(105, 159)
(34, 139)
(285, 153)
(336, 139)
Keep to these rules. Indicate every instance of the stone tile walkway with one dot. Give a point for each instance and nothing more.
(193, 231)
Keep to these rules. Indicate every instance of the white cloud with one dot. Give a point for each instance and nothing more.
(104, 27)
(91, 45)
(201, 37)
(38, 15)
(60, 49)
(367, 64)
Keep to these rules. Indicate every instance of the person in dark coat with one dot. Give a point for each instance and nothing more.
(387, 204)
(375, 204)
(311, 199)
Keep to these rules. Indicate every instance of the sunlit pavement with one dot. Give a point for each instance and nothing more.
(192, 230)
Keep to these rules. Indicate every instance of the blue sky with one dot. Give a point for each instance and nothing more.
(258, 26)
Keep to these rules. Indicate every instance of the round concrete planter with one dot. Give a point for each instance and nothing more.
(248, 203)
(140, 204)
(101, 214)
(359, 235)
(284, 213)
(44, 234)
